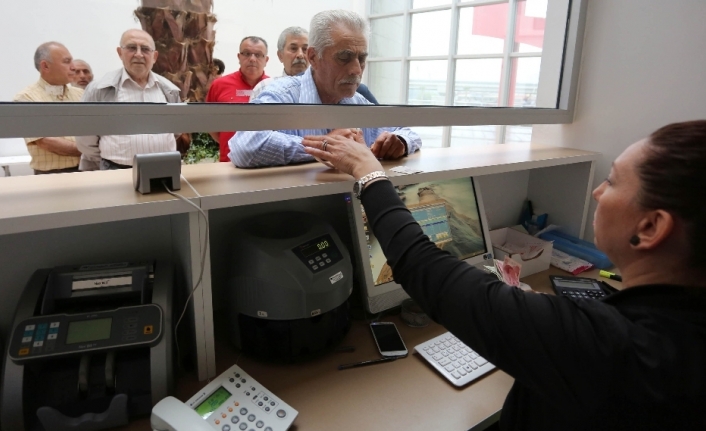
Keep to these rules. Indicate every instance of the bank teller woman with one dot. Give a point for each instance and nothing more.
(635, 360)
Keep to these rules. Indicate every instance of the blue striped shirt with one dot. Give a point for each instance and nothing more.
(282, 147)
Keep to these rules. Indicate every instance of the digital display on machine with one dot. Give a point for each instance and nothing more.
(318, 246)
(318, 254)
(576, 284)
(211, 404)
(86, 331)
(447, 212)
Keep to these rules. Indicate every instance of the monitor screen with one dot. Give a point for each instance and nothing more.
(450, 213)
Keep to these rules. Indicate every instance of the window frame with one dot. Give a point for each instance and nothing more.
(508, 57)
(79, 119)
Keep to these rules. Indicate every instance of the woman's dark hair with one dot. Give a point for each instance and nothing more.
(220, 65)
(673, 177)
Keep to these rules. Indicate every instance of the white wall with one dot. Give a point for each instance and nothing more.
(91, 30)
(643, 67)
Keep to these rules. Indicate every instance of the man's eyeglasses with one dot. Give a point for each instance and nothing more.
(250, 54)
(132, 49)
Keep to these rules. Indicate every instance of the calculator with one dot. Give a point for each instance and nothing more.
(577, 287)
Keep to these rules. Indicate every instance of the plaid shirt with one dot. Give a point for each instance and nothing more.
(43, 92)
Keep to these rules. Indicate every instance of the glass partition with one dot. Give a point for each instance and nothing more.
(462, 72)
(190, 34)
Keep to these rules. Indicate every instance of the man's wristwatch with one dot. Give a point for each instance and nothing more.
(359, 185)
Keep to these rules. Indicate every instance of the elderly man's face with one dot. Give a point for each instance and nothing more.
(253, 58)
(59, 70)
(293, 56)
(137, 54)
(83, 74)
(338, 72)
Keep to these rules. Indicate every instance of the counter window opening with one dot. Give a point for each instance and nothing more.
(486, 67)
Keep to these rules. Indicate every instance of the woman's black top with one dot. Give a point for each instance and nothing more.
(635, 360)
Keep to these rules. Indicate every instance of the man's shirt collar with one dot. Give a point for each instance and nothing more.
(125, 77)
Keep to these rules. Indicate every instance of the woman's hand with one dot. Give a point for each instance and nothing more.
(345, 154)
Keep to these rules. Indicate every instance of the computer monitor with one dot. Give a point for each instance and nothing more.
(451, 214)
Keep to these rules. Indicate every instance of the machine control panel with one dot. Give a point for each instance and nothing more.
(233, 401)
(67, 334)
(319, 253)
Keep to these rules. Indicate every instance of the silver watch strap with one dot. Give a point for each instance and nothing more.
(371, 176)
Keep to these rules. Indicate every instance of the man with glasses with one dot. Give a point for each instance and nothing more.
(55, 66)
(237, 87)
(337, 52)
(133, 83)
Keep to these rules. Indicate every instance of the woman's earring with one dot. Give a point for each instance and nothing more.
(634, 240)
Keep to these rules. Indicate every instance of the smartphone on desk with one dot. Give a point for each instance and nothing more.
(388, 339)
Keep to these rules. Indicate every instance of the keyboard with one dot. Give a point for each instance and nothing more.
(453, 359)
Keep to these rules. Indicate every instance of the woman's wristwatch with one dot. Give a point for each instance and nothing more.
(359, 185)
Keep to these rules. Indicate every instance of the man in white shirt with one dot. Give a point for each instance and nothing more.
(133, 83)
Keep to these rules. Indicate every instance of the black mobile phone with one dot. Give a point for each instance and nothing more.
(388, 339)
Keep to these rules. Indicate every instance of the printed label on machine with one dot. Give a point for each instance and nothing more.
(336, 277)
(97, 283)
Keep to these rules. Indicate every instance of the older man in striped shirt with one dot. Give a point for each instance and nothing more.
(133, 83)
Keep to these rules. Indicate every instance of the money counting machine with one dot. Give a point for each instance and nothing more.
(90, 347)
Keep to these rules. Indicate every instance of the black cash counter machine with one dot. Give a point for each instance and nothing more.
(90, 347)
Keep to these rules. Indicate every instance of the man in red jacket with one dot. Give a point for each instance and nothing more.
(237, 87)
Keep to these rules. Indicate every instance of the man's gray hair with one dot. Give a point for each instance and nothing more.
(255, 39)
(77, 60)
(43, 53)
(289, 31)
(323, 24)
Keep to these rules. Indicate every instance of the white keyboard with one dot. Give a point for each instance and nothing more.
(453, 359)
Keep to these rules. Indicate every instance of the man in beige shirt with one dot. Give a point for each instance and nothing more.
(133, 83)
(52, 154)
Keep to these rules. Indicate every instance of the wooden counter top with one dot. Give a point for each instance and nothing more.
(223, 185)
(406, 394)
(38, 202)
